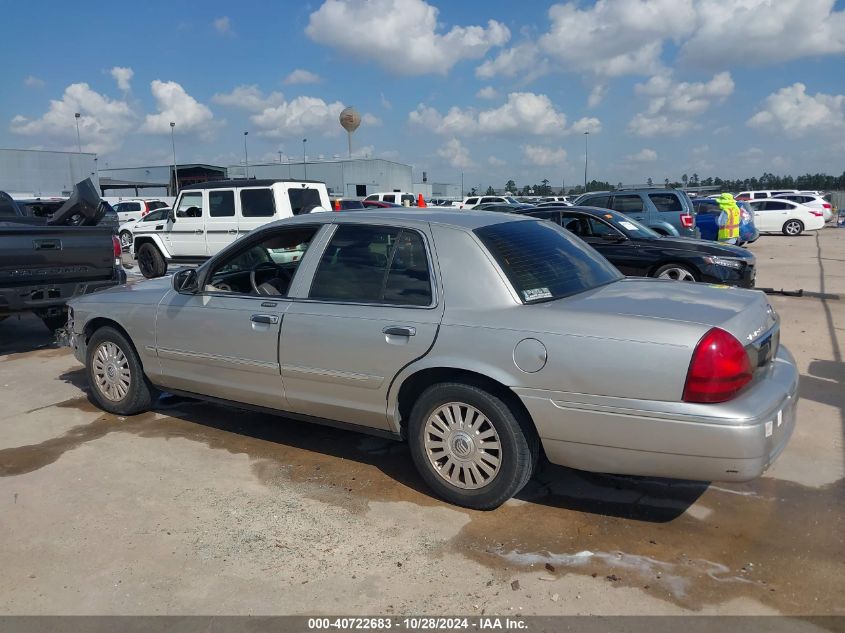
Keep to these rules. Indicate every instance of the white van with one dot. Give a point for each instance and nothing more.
(209, 216)
(396, 197)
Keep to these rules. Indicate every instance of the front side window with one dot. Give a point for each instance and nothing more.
(665, 202)
(154, 216)
(264, 268)
(471, 201)
(543, 262)
(257, 203)
(627, 204)
(221, 204)
(190, 206)
(374, 264)
(774, 205)
(374, 197)
(598, 201)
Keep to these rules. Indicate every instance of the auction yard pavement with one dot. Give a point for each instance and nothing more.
(199, 509)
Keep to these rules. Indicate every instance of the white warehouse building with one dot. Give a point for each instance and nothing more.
(38, 173)
(348, 178)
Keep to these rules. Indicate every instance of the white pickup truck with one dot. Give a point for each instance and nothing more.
(209, 216)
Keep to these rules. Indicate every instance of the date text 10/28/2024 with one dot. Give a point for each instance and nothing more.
(416, 624)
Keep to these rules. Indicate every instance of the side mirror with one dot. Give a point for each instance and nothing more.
(186, 281)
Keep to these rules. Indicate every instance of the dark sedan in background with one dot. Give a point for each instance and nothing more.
(638, 251)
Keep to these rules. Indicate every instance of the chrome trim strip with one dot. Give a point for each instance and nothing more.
(264, 367)
(332, 376)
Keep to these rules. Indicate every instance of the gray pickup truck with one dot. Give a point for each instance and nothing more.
(46, 261)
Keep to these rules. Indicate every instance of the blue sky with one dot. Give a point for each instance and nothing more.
(494, 89)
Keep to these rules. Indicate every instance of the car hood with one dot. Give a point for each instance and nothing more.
(705, 247)
(147, 291)
(659, 310)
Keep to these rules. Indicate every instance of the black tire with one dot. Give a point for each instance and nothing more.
(151, 261)
(793, 228)
(139, 395)
(55, 321)
(519, 453)
(682, 269)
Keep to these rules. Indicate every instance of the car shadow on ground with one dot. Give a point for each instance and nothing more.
(285, 443)
(21, 334)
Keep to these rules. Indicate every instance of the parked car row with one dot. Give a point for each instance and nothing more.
(517, 341)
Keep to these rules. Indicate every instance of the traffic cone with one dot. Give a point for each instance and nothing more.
(420, 201)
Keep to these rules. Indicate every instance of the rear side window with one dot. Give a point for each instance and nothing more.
(221, 204)
(759, 195)
(154, 216)
(598, 201)
(257, 203)
(665, 202)
(156, 204)
(472, 201)
(389, 198)
(133, 206)
(409, 199)
(627, 204)
(544, 262)
(303, 200)
(373, 197)
(369, 264)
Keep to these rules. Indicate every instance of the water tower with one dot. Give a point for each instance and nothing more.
(350, 119)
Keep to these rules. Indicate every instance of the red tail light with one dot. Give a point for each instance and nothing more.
(687, 220)
(818, 214)
(115, 246)
(718, 370)
(827, 206)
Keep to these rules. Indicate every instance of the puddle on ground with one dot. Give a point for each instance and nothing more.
(774, 541)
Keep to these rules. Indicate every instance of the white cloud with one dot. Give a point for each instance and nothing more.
(764, 32)
(223, 25)
(298, 116)
(300, 76)
(174, 104)
(496, 162)
(543, 156)
(796, 113)
(249, 98)
(673, 107)
(456, 154)
(523, 61)
(102, 125)
(385, 103)
(409, 42)
(123, 77)
(523, 113)
(487, 92)
(33, 82)
(597, 95)
(645, 155)
(370, 120)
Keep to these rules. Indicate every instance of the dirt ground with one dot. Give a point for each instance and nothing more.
(199, 509)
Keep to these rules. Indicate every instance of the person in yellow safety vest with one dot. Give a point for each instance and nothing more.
(729, 219)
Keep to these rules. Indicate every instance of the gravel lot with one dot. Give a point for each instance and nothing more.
(199, 509)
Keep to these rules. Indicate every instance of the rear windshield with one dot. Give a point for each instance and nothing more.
(303, 200)
(544, 262)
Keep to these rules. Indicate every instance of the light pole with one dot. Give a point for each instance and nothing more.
(246, 158)
(462, 185)
(280, 157)
(78, 140)
(175, 168)
(586, 153)
(304, 166)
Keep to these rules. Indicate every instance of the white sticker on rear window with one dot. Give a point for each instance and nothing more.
(628, 225)
(536, 293)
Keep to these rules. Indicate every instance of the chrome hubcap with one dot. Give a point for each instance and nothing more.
(111, 371)
(678, 274)
(125, 239)
(462, 445)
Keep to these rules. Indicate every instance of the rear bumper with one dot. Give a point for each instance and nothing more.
(734, 441)
(43, 296)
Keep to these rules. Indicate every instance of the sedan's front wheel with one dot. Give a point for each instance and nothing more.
(678, 272)
(117, 380)
(470, 447)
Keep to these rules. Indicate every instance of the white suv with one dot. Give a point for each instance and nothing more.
(470, 202)
(134, 210)
(209, 216)
(395, 197)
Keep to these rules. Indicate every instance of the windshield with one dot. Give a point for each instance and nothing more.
(627, 224)
(544, 262)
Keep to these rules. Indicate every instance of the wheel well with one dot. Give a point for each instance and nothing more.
(95, 324)
(415, 384)
(140, 241)
(693, 269)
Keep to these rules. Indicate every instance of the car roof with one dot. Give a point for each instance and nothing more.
(242, 182)
(468, 220)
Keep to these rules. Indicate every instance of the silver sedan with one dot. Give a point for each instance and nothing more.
(486, 341)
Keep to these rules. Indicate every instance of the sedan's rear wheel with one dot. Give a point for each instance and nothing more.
(117, 380)
(792, 228)
(470, 447)
(678, 272)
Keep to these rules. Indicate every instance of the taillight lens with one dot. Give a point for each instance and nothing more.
(818, 214)
(827, 206)
(718, 370)
(115, 246)
(687, 220)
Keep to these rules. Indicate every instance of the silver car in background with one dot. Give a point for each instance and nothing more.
(484, 340)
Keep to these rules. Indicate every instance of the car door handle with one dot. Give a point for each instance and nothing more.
(233, 231)
(264, 318)
(199, 231)
(399, 330)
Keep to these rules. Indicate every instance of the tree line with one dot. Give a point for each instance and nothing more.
(812, 182)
